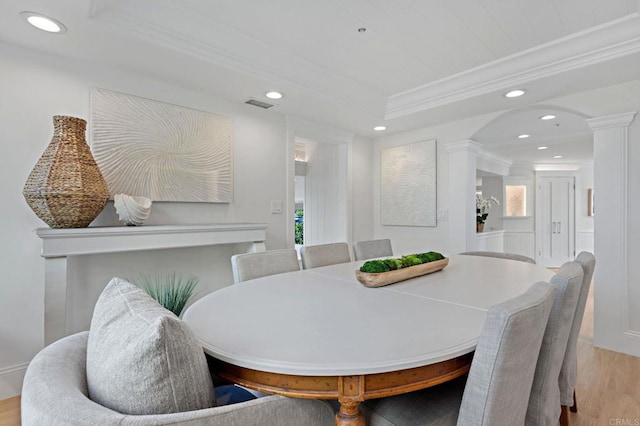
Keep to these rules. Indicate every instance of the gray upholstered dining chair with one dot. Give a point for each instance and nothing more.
(499, 382)
(500, 255)
(544, 402)
(569, 371)
(363, 250)
(248, 266)
(324, 255)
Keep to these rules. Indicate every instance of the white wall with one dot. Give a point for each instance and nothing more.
(519, 235)
(406, 239)
(36, 86)
(584, 222)
(488, 241)
(361, 198)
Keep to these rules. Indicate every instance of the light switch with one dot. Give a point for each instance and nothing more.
(276, 207)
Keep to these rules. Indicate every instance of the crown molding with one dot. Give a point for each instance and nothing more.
(611, 121)
(531, 165)
(486, 160)
(318, 132)
(598, 44)
(495, 158)
(467, 145)
(490, 162)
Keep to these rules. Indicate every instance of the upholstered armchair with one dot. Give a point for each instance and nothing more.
(55, 393)
(139, 364)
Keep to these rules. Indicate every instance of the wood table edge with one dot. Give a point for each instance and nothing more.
(349, 390)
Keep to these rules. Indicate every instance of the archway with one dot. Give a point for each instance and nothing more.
(549, 145)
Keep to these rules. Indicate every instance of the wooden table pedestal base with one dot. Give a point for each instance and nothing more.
(350, 391)
(349, 415)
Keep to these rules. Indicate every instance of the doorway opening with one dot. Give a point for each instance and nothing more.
(320, 210)
(299, 197)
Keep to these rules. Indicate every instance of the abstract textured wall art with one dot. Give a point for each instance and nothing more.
(161, 151)
(516, 196)
(408, 184)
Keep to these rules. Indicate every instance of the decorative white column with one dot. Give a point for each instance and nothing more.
(463, 157)
(611, 201)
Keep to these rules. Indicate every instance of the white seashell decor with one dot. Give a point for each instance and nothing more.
(132, 210)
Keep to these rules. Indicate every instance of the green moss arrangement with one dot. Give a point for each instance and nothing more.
(172, 290)
(386, 265)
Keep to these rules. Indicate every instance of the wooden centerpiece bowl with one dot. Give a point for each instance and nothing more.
(385, 278)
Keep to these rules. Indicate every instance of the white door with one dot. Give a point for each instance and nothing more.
(555, 221)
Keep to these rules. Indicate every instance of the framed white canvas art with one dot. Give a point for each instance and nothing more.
(161, 151)
(408, 184)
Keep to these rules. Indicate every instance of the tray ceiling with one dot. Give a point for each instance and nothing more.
(418, 63)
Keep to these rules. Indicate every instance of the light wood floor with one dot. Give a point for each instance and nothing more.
(608, 386)
(10, 412)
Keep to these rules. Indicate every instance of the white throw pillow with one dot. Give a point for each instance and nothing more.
(142, 359)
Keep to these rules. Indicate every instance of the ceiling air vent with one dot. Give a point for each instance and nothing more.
(258, 103)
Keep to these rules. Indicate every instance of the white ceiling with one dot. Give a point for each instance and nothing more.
(567, 135)
(419, 62)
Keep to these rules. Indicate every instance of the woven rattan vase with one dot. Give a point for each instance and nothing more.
(65, 188)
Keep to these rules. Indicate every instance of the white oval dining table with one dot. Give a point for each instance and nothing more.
(319, 333)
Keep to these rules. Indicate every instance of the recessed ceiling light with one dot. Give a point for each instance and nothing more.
(380, 128)
(43, 22)
(557, 156)
(514, 93)
(548, 117)
(274, 95)
(523, 136)
(543, 147)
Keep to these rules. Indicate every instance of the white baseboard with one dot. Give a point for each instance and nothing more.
(11, 380)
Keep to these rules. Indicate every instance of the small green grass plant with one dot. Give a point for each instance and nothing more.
(171, 290)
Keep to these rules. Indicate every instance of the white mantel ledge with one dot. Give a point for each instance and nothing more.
(93, 240)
